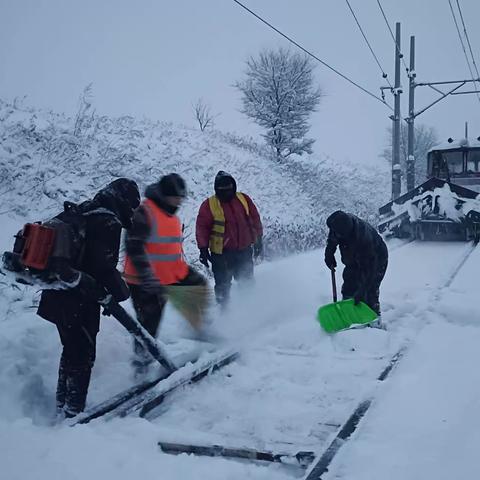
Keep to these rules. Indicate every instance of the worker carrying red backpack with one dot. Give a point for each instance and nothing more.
(73, 257)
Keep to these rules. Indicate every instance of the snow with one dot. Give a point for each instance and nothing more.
(121, 450)
(425, 424)
(447, 203)
(456, 144)
(291, 387)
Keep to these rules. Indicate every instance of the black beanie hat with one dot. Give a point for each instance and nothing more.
(340, 223)
(224, 180)
(172, 185)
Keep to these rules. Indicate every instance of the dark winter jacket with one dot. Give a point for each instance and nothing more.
(361, 247)
(137, 235)
(105, 215)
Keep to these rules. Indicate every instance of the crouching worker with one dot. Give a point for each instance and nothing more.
(364, 254)
(89, 265)
(155, 263)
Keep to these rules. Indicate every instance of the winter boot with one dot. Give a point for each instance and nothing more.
(222, 295)
(378, 323)
(78, 380)
(61, 386)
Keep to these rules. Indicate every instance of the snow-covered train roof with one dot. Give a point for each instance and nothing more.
(456, 144)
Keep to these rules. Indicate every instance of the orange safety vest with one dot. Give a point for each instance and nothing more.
(163, 248)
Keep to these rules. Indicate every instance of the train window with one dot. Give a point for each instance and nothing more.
(473, 161)
(436, 165)
(455, 161)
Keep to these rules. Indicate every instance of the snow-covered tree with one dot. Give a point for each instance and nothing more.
(425, 138)
(85, 112)
(279, 94)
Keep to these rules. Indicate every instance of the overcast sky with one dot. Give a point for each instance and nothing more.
(155, 57)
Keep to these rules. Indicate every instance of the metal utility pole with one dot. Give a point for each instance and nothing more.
(396, 168)
(412, 114)
(411, 118)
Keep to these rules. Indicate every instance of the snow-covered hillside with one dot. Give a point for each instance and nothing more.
(46, 158)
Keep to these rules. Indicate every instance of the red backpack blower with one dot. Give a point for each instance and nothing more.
(38, 245)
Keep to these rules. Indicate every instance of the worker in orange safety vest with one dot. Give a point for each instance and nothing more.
(155, 257)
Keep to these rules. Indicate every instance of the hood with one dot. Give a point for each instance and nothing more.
(225, 186)
(121, 197)
(341, 223)
(154, 193)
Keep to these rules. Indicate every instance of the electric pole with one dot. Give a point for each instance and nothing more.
(396, 168)
(412, 114)
(411, 119)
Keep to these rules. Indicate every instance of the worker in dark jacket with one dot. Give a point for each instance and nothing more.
(363, 253)
(155, 257)
(229, 235)
(76, 311)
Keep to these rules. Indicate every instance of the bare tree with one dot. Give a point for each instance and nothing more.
(203, 115)
(425, 138)
(279, 95)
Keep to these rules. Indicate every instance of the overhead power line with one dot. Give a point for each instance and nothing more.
(463, 43)
(392, 35)
(384, 75)
(325, 64)
(468, 42)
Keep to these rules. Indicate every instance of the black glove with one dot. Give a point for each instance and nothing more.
(105, 303)
(91, 288)
(151, 285)
(258, 248)
(330, 262)
(205, 256)
(358, 296)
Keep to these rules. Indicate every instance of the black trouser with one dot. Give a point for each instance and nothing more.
(78, 356)
(237, 264)
(149, 309)
(352, 279)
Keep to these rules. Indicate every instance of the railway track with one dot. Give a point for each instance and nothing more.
(142, 401)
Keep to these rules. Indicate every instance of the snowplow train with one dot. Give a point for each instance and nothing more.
(447, 205)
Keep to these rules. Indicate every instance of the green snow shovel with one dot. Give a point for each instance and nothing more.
(337, 316)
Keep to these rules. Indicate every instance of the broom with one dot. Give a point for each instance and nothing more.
(191, 301)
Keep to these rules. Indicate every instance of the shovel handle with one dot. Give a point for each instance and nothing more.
(334, 285)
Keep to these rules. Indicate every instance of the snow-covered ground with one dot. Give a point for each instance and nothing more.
(425, 423)
(290, 388)
(293, 385)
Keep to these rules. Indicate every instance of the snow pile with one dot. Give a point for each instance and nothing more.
(439, 202)
(456, 144)
(46, 158)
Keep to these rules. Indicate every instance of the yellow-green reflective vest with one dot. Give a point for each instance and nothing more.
(218, 230)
